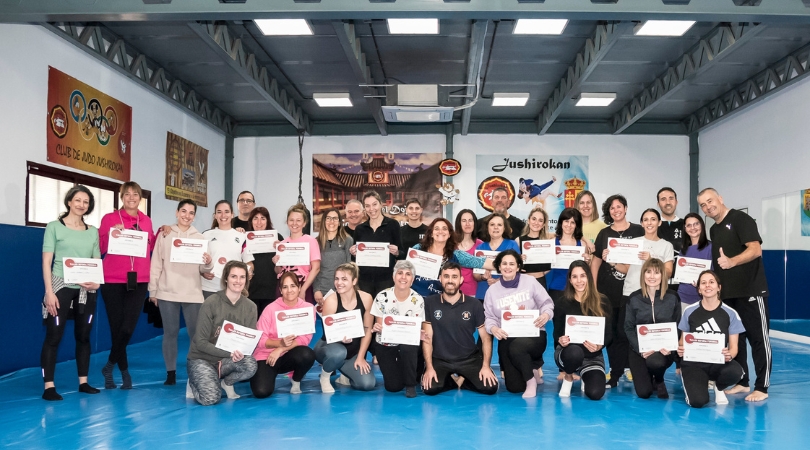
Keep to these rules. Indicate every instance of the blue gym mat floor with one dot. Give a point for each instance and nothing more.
(155, 416)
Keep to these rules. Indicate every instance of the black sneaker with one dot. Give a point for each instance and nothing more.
(410, 392)
(662, 390)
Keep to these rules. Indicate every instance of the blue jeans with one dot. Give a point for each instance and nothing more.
(333, 357)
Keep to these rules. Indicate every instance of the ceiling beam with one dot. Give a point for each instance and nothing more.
(112, 51)
(27, 11)
(357, 60)
(475, 58)
(223, 41)
(712, 48)
(786, 72)
(594, 50)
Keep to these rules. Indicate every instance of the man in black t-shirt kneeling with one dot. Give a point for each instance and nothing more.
(452, 358)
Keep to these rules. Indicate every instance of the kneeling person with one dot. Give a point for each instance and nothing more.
(206, 363)
(451, 319)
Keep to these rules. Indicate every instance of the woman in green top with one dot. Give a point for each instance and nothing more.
(68, 236)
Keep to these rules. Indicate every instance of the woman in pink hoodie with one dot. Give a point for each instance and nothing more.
(275, 354)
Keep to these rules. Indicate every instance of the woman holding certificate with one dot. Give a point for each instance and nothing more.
(375, 274)
(347, 355)
(302, 255)
(568, 236)
(175, 286)
(398, 362)
(334, 244)
(536, 229)
(580, 298)
(66, 237)
(276, 354)
(208, 363)
(264, 283)
(610, 280)
(650, 306)
(465, 233)
(697, 245)
(496, 227)
(126, 276)
(713, 317)
(224, 244)
(591, 224)
(517, 309)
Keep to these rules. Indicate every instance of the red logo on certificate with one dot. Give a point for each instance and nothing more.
(389, 320)
(70, 262)
(251, 236)
(228, 328)
(643, 331)
(613, 243)
(116, 233)
(681, 262)
(222, 260)
(412, 253)
(329, 321)
(361, 247)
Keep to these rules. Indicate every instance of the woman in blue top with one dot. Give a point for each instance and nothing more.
(494, 228)
(68, 236)
(696, 245)
(569, 233)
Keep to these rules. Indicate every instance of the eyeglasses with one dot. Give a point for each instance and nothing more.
(245, 201)
(692, 225)
(332, 219)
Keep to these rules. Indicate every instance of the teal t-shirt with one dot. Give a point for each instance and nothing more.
(64, 242)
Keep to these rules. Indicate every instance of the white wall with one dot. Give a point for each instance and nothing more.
(26, 51)
(636, 166)
(759, 159)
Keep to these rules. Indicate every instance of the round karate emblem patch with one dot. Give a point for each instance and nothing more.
(466, 315)
(437, 314)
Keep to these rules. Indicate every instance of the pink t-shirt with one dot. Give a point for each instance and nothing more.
(469, 286)
(314, 255)
(117, 266)
(267, 325)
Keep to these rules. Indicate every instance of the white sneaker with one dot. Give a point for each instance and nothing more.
(229, 391)
(296, 387)
(326, 384)
(720, 397)
(343, 380)
(189, 393)
(582, 386)
(565, 389)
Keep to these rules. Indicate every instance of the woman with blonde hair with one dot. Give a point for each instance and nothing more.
(296, 221)
(536, 229)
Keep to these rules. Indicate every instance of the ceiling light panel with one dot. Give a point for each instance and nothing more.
(284, 27)
(596, 99)
(509, 99)
(333, 99)
(413, 26)
(663, 27)
(540, 26)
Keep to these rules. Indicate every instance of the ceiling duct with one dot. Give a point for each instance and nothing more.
(417, 103)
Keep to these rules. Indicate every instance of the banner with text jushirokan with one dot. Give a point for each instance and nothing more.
(551, 182)
(186, 170)
(87, 129)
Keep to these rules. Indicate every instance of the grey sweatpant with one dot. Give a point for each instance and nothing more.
(203, 377)
(170, 313)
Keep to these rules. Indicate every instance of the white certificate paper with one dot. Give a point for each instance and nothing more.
(343, 325)
(82, 270)
(426, 264)
(704, 347)
(233, 336)
(624, 251)
(566, 254)
(188, 251)
(219, 266)
(488, 254)
(262, 241)
(687, 270)
(293, 254)
(655, 336)
(401, 330)
(297, 322)
(538, 252)
(520, 323)
(372, 254)
(127, 243)
(585, 328)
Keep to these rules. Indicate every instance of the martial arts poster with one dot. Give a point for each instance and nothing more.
(551, 182)
(186, 170)
(87, 129)
(805, 199)
(338, 178)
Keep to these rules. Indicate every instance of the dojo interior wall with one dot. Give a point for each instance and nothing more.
(759, 159)
(26, 51)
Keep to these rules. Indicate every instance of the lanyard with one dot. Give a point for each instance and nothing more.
(138, 228)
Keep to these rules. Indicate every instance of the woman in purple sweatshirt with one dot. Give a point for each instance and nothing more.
(521, 358)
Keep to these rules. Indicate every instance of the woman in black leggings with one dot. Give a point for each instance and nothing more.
(580, 298)
(68, 237)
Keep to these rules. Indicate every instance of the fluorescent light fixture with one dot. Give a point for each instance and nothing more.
(509, 99)
(332, 99)
(540, 26)
(413, 26)
(663, 27)
(284, 27)
(595, 99)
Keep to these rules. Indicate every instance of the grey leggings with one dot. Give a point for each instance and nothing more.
(333, 357)
(203, 377)
(170, 313)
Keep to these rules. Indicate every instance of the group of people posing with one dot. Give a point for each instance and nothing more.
(461, 310)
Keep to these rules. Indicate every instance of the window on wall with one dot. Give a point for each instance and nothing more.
(47, 186)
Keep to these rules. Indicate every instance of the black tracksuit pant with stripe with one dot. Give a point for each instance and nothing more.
(755, 317)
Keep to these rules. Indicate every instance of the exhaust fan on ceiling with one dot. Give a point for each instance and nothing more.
(419, 103)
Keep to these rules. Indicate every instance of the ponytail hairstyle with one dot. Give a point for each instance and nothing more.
(215, 224)
(72, 193)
